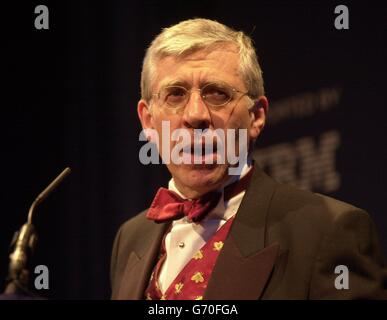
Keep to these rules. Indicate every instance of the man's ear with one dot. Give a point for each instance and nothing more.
(144, 114)
(258, 113)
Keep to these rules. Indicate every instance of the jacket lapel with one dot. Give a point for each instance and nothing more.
(241, 278)
(139, 266)
(245, 264)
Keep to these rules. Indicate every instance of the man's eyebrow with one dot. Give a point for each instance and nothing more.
(186, 84)
(175, 82)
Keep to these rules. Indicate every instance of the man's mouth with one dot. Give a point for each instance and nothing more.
(200, 153)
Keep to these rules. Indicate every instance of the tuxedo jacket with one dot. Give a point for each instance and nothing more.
(284, 243)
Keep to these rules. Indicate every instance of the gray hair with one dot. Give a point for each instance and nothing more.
(195, 34)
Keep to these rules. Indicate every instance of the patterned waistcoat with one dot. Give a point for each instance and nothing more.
(191, 282)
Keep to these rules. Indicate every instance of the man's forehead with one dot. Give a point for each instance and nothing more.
(203, 53)
(211, 63)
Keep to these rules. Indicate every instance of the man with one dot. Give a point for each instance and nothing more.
(221, 235)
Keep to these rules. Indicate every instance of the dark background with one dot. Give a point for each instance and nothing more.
(69, 98)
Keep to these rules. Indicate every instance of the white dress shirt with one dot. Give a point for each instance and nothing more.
(186, 238)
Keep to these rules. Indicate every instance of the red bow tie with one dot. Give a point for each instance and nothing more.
(168, 205)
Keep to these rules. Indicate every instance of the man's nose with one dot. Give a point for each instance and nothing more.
(196, 114)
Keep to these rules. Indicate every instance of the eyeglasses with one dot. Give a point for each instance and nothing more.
(214, 95)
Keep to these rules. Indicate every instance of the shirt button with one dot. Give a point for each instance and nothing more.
(181, 244)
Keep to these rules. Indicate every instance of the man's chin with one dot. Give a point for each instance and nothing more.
(201, 176)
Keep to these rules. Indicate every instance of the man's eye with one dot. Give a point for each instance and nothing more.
(216, 95)
(175, 95)
(176, 92)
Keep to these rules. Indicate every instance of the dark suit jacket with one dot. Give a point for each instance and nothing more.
(284, 244)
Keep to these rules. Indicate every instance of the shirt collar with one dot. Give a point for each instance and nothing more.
(220, 212)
